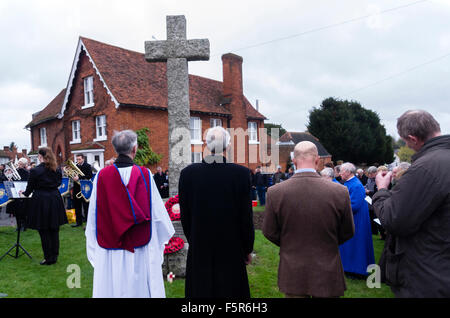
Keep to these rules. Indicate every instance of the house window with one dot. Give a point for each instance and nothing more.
(76, 136)
(215, 122)
(43, 135)
(100, 125)
(196, 130)
(252, 132)
(88, 91)
(196, 157)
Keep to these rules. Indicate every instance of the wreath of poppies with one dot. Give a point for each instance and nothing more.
(174, 215)
(173, 209)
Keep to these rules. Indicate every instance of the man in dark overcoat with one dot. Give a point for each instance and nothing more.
(217, 218)
(416, 213)
(161, 181)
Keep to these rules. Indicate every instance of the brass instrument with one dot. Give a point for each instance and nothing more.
(72, 171)
(13, 175)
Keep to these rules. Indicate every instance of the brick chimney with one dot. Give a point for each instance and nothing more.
(232, 75)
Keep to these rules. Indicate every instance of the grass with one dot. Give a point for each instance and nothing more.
(25, 278)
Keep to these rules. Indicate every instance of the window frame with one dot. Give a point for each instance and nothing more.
(194, 130)
(76, 140)
(43, 137)
(252, 132)
(101, 126)
(212, 122)
(88, 86)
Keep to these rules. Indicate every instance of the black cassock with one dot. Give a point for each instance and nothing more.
(217, 219)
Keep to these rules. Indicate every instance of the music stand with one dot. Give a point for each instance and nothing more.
(17, 245)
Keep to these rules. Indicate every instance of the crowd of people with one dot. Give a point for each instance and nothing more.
(322, 221)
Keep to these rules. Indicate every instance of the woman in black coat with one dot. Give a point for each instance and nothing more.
(47, 212)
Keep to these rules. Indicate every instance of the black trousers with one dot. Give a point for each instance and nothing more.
(50, 243)
(80, 205)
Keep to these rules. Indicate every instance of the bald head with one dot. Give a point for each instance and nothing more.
(305, 149)
(306, 155)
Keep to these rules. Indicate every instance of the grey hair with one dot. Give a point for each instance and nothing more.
(404, 165)
(327, 172)
(372, 169)
(417, 123)
(350, 167)
(217, 139)
(124, 141)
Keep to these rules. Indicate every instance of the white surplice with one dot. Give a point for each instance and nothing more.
(120, 273)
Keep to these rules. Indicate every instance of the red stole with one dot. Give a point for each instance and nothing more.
(123, 212)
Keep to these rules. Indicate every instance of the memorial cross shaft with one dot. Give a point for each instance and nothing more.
(177, 51)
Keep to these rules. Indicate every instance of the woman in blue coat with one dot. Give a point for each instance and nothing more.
(357, 253)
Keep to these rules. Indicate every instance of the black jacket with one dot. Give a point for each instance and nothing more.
(416, 212)
(87, 170)
(260, 180)
(217, 218)
(46, 207)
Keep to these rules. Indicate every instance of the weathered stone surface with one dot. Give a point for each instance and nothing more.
(179, 230)
(176, 262)
(177, 51)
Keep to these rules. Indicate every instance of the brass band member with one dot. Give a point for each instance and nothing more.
(80, 204)
(47, 211)
(19, 207)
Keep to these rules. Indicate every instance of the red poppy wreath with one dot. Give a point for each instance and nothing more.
(173, 209)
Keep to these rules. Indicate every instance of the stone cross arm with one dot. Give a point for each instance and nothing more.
(192, 50)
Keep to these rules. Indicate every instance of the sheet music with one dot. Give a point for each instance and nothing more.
(13, 187)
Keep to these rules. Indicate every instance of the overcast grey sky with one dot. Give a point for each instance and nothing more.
(389, 55)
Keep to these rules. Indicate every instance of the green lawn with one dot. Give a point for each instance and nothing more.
(25, 278)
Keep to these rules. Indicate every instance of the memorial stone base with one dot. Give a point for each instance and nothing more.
(176, 262)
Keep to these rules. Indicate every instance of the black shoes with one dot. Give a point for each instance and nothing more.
(45, 262)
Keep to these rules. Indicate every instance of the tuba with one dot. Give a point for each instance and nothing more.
(14, 175)
(72, 171)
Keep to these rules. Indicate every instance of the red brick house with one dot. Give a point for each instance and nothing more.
(288, 141)
(111, 88)
(8, 154)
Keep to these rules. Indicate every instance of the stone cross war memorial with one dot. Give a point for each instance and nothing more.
(177, 51)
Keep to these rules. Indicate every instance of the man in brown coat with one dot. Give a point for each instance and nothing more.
(309, 217)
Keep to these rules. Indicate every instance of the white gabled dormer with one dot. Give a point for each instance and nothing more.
(88, 83)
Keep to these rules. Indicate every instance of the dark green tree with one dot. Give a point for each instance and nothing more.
(145, 154)
(269, 127)
(350, 132)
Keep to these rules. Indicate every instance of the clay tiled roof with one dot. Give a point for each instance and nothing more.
(135, 82)
(50, 112)
(297, 137)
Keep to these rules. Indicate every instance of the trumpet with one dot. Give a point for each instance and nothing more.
(13, 175)
(72, 171)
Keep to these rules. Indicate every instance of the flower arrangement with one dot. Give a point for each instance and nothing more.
(173, 209)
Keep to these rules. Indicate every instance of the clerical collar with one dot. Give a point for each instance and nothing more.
(214, 159)
(123, 161)
(305, 170)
